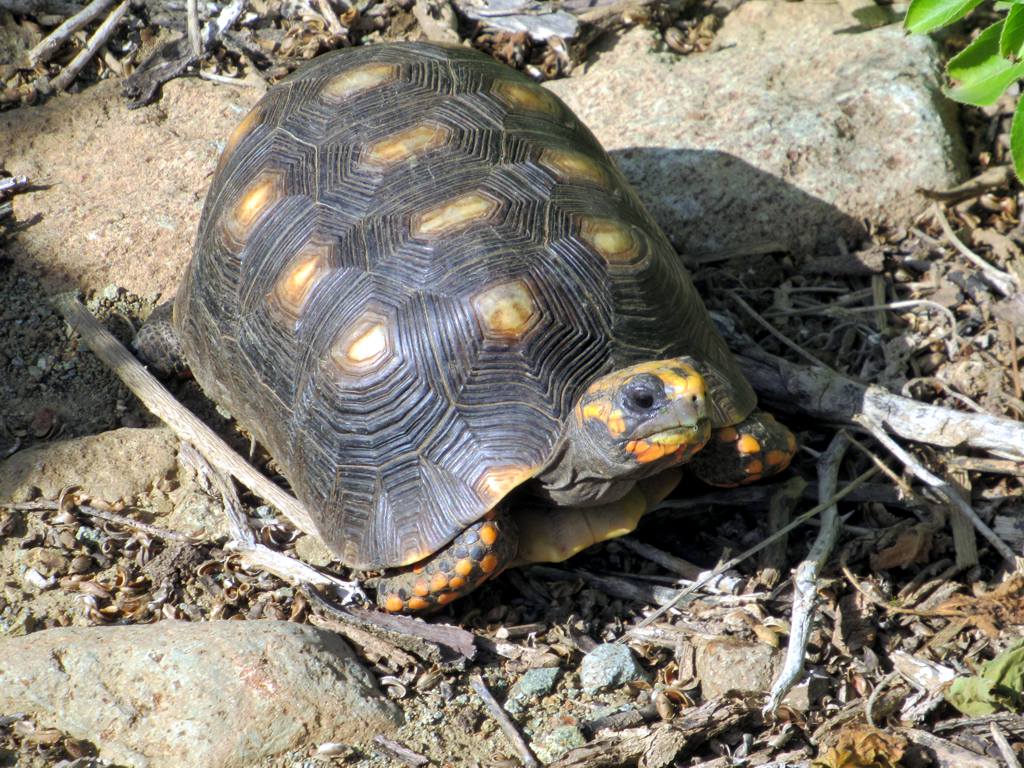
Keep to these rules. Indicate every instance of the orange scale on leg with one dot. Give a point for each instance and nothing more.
(464, 567)
(421, 588)
(456, 582)
(754, 468)
(726, 434)
(394, 604)
(488, 563)
(488, 534)
(417, 604)
(748, 444)
(438, 582)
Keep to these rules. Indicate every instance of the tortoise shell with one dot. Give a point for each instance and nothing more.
(411, 261)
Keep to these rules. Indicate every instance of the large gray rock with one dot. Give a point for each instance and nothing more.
(797, 127)
(218, 694)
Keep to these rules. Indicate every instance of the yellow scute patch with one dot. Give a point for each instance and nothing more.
(347, 84)
(454, 215)
(507, 309)
(409, 143)
(255, 200)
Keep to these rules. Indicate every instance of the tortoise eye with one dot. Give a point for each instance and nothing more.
(642, 400)
(643, 393)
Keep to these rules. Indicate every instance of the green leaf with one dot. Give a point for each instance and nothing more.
(1017, 139)
(926, 15)
(1011, 39)
(998, 686)
(980, 72)
(972, 696)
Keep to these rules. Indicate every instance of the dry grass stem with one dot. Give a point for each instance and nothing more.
(777, 333)
(733, 562)
(941, 487)
(1001, 281)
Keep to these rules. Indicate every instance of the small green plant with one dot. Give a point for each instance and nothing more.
(988, 66)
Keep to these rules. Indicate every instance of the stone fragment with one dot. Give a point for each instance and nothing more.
(551, 745)
(221, 694)
(726, 664)
(790, 132)
(609, 666)
(533, 684)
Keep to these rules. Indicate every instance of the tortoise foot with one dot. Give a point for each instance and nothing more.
(754, 449)
(481, 551)
(158, 346)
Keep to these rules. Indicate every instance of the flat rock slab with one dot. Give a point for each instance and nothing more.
(118, 465)
(222, 694)
(797, 127)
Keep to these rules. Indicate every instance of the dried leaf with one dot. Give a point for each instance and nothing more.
(862, 747)
(912, 546)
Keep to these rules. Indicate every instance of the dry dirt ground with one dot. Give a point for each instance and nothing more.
(119, 231)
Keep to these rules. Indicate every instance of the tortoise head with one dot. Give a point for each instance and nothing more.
(644, 418)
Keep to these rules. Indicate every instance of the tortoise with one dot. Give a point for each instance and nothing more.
(421, 283)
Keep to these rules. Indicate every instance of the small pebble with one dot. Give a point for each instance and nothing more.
(552, 745)
(532, 685)
(609, 666)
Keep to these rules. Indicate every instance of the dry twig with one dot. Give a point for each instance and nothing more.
(829, 396)
(50, 44)
(721, 568)
(526, 755)
(182, 422)
(942, 488)
(400, 752)
(98, 39)
(805, 587)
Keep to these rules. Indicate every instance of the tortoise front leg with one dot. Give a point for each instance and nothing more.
(756, 448)
(481, 551)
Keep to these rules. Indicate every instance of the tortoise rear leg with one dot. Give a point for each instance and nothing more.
(157, 343)
(481, 551)
(756, 448)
